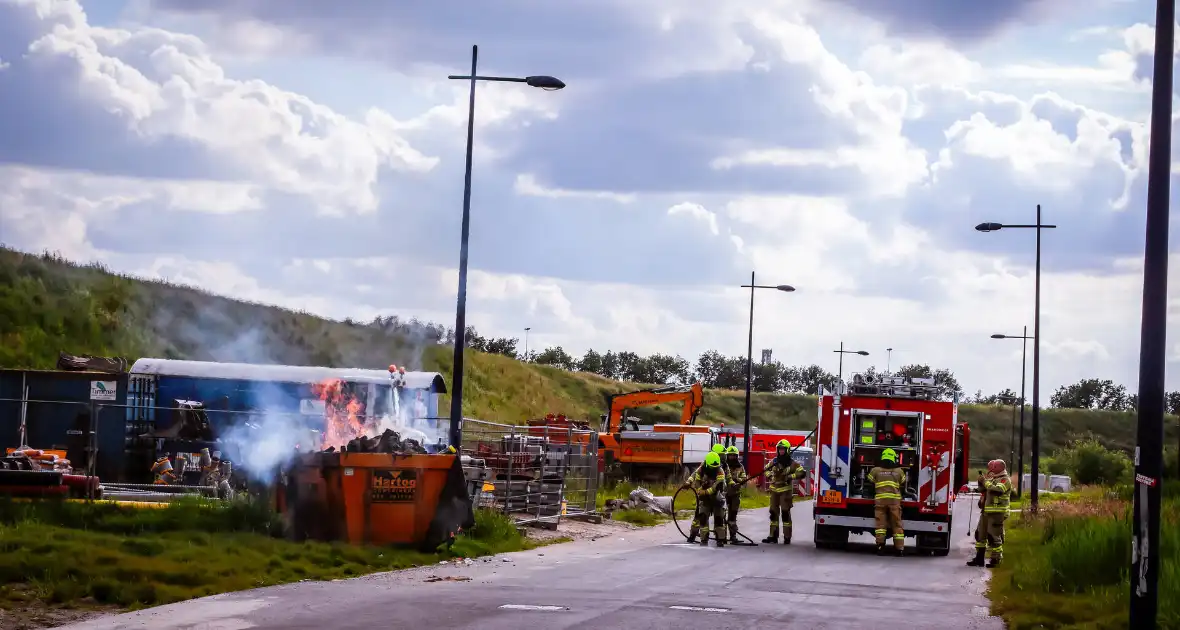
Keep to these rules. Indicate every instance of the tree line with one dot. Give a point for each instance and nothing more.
(715, 370)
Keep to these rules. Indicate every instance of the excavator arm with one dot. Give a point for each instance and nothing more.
(693, 397)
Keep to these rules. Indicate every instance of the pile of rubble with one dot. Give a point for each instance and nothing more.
(25, 458)
(640, 499)
(388, 442)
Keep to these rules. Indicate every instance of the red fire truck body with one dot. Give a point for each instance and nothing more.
(931, 444)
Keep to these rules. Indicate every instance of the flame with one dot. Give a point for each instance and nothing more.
(343, 413)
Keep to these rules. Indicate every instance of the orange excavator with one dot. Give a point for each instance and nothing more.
(662, 453)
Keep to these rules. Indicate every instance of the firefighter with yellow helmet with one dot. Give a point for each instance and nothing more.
(782, 473)
(737, 477)
(888, 480)
(709, 483)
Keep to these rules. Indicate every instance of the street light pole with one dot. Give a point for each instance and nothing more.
(1036, 337)
(840, 373)
(1149, 450)
(1023, 364)
(786, 288)
(526, 342)
(545, 83)
(888, 359)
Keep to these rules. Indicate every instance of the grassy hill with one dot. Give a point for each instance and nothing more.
(48, 305)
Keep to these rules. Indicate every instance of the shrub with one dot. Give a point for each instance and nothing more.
(1088, 462)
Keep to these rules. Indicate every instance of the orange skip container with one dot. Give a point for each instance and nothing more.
(377, 498)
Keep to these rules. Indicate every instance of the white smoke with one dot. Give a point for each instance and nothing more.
(267, 441)
(407, 417)
(203, 327)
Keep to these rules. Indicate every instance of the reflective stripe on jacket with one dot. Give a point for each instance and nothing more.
(704, 484)
(736, 477)
(997, 494)
(782, 478)
(887, 485)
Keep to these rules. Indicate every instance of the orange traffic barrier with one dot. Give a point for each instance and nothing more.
(377, 498)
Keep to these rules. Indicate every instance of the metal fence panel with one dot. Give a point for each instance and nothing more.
(535, 473)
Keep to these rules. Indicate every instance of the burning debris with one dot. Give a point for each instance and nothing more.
(388, 442)
(343, 414)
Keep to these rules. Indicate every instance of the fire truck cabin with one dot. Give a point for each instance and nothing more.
(874, 414)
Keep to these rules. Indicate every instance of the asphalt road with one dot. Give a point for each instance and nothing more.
(647, 579)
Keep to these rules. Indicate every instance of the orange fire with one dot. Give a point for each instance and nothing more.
(343, 413)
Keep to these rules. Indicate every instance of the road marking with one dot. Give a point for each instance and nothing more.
(699, 609)
(530, 607)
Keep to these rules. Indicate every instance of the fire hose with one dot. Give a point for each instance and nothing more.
(695, 508)
(697, 498)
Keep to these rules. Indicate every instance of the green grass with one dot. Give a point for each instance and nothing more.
(1068, 567)
(74, 554)
(48, 304)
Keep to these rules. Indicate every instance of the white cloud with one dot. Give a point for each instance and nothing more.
(526, 184)
(697, 212)
(891, 150)
(161, 85)
(915, 63)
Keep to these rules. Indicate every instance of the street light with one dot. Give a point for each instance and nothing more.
(545, 83)
(1149, 448)
(526, 343)
(1023, 362)
(842, 352)
(1036, 379)
(888, 359)
(1012, 400)
(786, 288)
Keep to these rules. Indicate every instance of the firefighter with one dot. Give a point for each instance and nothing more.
(888, 480)
(995, 496)
(720, 452)
(782, 473)
(709, 484)
(736, 477)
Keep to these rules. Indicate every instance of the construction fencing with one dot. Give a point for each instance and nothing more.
(537, 474)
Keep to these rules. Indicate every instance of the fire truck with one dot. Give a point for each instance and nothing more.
(856, 424)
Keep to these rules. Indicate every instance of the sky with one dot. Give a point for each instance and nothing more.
(311, 154)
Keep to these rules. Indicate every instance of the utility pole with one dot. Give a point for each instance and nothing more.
(1149, 449)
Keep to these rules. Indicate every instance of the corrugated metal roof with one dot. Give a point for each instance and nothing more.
(282, 373)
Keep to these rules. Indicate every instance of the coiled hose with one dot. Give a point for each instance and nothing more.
(696, 500)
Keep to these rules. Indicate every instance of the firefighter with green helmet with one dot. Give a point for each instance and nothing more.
(719, 450)
(782, 473)
(995, 499)
(737, 477)
(888, 479)
(709, 483)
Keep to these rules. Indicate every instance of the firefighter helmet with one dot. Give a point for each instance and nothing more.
(784, 443)
(718, 448)
(712, 460)
(889, 455)
(733, 450)
(996, 466)
(450, 450)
